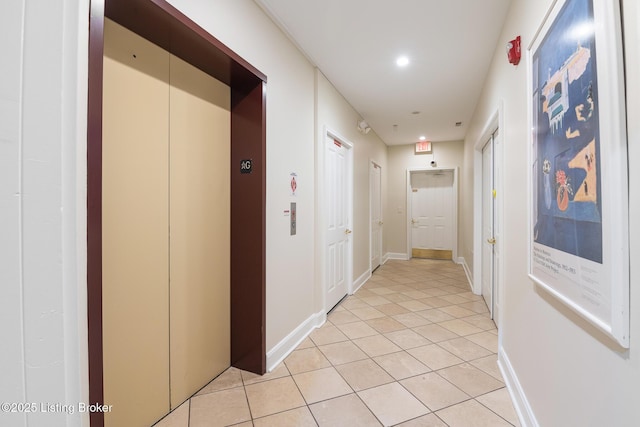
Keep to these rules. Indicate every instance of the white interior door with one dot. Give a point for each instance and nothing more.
(497, 221)
(375, 177)
(337, 221)
(432, 210)
(489, 235)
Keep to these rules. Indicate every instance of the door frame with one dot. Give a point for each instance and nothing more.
(164, 25)
(495, 121)
(327, 132)
(455, 208)
(490, 144)
(374, 164)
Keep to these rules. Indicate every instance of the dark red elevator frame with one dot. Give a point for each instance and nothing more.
(164, 25)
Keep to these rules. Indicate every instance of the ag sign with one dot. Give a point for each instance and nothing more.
(246, 166)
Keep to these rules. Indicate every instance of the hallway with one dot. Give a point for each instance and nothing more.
(413, 347)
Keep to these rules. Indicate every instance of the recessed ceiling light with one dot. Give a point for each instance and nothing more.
(402, 61)
(423, 138)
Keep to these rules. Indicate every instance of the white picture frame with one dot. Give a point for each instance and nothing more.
(578, 187)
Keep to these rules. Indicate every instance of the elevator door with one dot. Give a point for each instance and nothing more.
(166, 222)
(199, 229)
(135, 242)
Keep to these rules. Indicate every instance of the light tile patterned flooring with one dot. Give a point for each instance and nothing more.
(413, 347)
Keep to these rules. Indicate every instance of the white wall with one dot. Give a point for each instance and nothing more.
(569, 373)
(42, 199)
(401, 158)
(336, 114)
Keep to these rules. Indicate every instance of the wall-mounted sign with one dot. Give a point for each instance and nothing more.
(293, 184)
(246, 166)
(423, 147)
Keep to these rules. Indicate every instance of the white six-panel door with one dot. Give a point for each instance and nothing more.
(487, 218)
(338, 230)
(432, 210)
(490, 226)
(487, 224)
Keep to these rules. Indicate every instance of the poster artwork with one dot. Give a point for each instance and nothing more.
(578, 166)
(568, 197)
(567, 248)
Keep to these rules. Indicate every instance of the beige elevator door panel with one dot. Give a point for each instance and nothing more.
(134, 229)
(199, 229)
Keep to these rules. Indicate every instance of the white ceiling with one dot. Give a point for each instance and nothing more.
(355, 43)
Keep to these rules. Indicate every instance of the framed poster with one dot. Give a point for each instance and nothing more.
(578, 163)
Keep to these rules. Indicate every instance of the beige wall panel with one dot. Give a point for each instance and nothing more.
(199, 229)
(135, 229)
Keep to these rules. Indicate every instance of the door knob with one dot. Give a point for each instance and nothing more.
(347, 231)
(380, 222)
(491, 241)
(413, 221)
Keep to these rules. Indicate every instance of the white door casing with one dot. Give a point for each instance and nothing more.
(338, 228)
(375, 178)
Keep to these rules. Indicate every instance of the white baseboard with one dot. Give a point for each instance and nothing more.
(281, 350)
(357, 284)
(462, 261)
(395, 255)
(520, 402)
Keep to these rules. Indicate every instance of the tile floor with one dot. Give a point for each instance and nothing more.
(413, 347)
